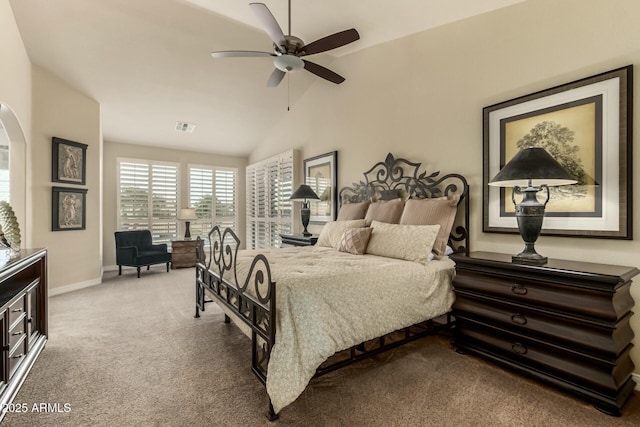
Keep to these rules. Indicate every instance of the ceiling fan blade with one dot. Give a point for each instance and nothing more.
(325, 73)
(239, 54)
(275, 78)
(269, 23)
(331, 42)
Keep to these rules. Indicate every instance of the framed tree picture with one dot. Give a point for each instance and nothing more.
(321, 174)
(69, 208)
(68, 161)
(586, 125)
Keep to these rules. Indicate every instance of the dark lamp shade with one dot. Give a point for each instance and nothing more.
(535, 165)
(303, 193)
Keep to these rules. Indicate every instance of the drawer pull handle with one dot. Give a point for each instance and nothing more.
(17, 310)
(519, 348)
(519, 289)
(519, 319)
(17, 356)
(17, 333)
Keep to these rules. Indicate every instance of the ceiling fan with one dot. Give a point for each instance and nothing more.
(288, 50)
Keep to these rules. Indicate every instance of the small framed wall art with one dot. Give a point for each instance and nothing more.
(321, 174)
(68, 161)
(69, 208)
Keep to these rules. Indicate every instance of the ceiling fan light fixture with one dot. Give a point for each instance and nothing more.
(288, 63)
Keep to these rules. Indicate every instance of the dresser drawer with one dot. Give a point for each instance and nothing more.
(17, 309)
(16, 356)
(608, 375)
(17, 332)
(600, 337)
(582, 301)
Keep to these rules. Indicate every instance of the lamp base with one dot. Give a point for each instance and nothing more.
(539, 260)
(530, 214)
(305, 215)
(529, 256)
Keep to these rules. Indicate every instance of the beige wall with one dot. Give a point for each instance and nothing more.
(75, 256)
(421, 97)
(15, 96)
(113, 150)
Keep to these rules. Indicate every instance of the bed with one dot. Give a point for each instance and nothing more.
(311, 310)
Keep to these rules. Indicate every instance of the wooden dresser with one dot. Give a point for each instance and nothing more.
(566, 322)
(183, 253)
(23, 318)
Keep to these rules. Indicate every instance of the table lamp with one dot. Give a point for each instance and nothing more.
(187, 215)
(303, 194)
(531, 170)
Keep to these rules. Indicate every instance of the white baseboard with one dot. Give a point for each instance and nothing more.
(636, 378)
(110, 268)
(74, 286)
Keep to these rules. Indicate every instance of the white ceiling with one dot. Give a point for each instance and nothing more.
(148, 63)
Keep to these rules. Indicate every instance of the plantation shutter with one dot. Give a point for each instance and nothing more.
(269, 210)
(147, 199)
(213, 195)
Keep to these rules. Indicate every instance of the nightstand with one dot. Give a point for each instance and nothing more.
(183, 253)
(566, 322)
(289, 240)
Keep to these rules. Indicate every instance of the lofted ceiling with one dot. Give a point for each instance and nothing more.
(148, 63)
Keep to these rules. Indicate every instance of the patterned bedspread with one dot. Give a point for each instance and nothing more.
(328, 301)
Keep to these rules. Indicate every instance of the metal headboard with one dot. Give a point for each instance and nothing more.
(395, 178)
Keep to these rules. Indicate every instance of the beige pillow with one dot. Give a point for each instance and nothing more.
(388, 211)
(351, 211)
(332, 232)
(355, 240)
(408, 242)
(441, 210)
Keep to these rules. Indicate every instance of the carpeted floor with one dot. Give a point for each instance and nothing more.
(129, 353)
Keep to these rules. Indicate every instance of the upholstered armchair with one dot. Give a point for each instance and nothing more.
(136, 249)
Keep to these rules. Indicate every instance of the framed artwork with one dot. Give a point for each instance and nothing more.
(586, 126)
(68, 208)
(321, 174)
(68, 161)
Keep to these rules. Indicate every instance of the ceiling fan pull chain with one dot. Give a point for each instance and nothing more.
(288, 92)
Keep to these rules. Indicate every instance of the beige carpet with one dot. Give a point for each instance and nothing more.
(129, 353)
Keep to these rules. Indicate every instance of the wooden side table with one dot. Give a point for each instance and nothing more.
(183, 253)
(289, 240)
(566, 322)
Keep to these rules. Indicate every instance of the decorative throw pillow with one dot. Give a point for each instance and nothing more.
(332, 232)
(388, 211)
(351, 211)
(440, 210)
(355, 240)
(408, 242)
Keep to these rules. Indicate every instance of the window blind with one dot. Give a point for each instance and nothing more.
(269, 210)
(148, 198)
(213, 195)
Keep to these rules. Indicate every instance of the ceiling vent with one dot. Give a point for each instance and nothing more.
(185, 127)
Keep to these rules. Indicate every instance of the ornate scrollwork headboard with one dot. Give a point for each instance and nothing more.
(395, 178)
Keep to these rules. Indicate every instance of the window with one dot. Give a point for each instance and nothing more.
(4, 164)
(213, 194)
(4, 170)
(148, 198)
(269, 211)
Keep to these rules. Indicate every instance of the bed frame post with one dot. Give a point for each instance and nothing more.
(251, 299)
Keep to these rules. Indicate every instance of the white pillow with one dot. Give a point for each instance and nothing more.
(332, 232)
(408, 242)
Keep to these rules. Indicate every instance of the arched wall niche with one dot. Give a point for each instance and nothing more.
(17, 167)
